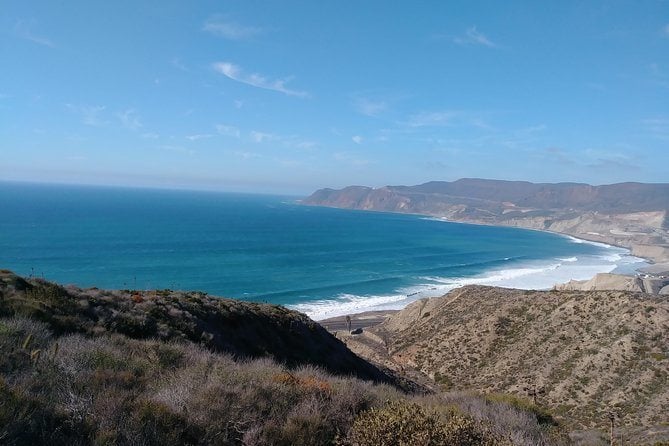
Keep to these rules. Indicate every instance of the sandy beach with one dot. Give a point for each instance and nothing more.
(358, 320)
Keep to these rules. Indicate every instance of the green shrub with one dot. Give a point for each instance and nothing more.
(405, 424)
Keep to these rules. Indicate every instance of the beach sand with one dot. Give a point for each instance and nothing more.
(358, 320)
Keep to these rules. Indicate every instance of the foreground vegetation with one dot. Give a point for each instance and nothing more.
(70, 376)
(75, 389)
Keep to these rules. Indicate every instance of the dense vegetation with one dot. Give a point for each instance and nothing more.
(76, 371)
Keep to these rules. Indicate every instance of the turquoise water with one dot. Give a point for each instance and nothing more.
(268, 248)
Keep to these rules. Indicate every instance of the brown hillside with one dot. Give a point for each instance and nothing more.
(589, 351)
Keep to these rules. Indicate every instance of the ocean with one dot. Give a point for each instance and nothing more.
(324, 262)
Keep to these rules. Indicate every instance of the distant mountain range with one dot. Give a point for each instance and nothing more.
(625, 214)
(493, 195)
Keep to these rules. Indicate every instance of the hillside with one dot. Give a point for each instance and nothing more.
(242, 329)
(84, 367)
(632, 215)
(586, 352)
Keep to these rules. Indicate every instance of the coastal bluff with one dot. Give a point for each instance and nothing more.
(658, 284)
(630, 215)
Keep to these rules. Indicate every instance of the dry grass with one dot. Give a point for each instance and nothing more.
(117, 390)
(585, 352)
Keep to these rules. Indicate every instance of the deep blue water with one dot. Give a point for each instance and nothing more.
(269, 248)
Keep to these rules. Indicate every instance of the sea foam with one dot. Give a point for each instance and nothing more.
(539, 275)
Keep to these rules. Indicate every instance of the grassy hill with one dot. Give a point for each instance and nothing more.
(242, 329)
(585, 353)
(80, 367)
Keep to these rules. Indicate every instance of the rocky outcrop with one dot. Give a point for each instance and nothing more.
(604, 281)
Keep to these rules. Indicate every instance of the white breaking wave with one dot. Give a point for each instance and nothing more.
(588, 242)
(569, 259)
(351, 304)
(536, 275)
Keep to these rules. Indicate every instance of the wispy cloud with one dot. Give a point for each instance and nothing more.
(474, 37)
(357, 139)
(129, 119)
(261, 137)
(236, 73)
(198, 136)
(665, 30)
(227, 130)
(90, 114)
(369, 107)
(221, 26)
(24, 30)
(150, 135)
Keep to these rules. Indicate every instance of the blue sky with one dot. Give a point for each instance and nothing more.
(292, 96)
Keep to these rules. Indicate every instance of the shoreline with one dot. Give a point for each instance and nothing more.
(582, 237)
(651, 266)
(539, 274)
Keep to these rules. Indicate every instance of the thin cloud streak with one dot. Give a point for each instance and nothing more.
(370, 108)
(236, 73)
(260, 137)
(198, 136)
(474, 37)
(90, 114)
(23, 30)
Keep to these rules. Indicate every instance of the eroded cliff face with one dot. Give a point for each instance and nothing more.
(631, 215)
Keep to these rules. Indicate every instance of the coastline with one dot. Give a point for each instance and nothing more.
(653, 259)
(544, 274)
(662, 259)
(369, 318)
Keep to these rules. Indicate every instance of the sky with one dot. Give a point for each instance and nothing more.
(292, 96)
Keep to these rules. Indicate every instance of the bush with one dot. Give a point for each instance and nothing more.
(401, 423)
(542, 416)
